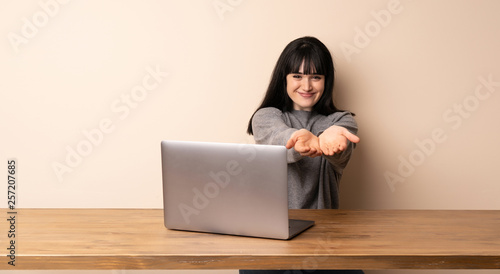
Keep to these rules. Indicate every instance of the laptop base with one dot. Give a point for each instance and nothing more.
(298, 226)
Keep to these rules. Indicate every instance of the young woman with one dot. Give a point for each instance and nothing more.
(298, 111)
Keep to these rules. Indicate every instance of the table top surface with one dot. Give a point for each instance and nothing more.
(340, 239)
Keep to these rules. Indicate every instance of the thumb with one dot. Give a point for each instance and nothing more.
(351, 137)
(291, 142)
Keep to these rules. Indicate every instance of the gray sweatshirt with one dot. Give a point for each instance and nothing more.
(312, 182)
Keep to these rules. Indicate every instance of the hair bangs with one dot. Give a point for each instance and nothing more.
(313, 63)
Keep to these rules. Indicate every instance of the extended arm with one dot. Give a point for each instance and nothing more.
(338, 140)
(270, 128)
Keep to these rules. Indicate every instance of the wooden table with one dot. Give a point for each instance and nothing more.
(341, 239)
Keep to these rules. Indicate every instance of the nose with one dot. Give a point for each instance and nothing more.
(306, 84)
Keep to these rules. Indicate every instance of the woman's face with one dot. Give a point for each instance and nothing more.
(304, 89)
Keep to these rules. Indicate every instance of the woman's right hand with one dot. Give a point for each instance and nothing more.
(305, 143)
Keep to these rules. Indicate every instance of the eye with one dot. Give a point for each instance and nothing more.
(317, 77)
(297, 76)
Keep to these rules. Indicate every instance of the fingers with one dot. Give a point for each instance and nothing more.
(331, 149)
(310, 152)
(325, 149)
(351, 137)
(318, 153)
(306, 149)
(293, 139)
(333, 146)
(291, 142)
(305, 143)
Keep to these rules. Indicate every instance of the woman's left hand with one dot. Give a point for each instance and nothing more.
(334, 140)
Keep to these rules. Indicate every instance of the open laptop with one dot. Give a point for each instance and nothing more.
(237, 189)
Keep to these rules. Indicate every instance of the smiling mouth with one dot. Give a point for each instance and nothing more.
(307, 94)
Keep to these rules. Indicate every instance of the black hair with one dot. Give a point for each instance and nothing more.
(317, 60)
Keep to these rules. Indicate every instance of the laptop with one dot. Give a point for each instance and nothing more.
(236, 189)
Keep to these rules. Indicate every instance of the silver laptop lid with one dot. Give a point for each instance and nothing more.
(238, 189)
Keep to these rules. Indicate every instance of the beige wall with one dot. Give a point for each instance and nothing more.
(92, 87)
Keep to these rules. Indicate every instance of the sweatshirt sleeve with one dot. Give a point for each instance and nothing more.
(269, 128)
(344, 119)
